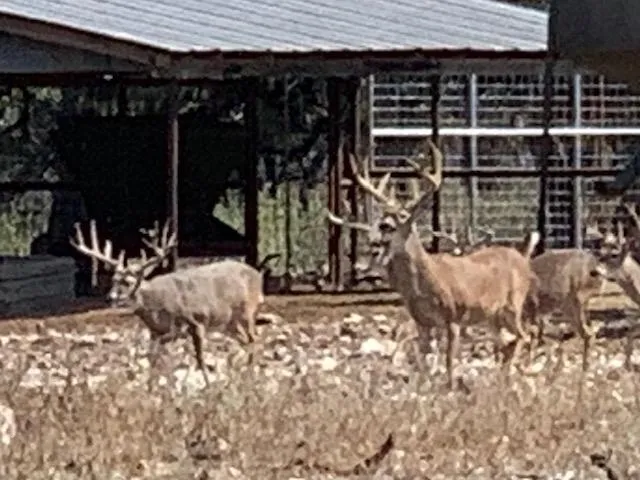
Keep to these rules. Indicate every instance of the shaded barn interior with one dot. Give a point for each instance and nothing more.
(120, 167)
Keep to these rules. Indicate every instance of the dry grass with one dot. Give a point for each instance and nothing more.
(297, 414)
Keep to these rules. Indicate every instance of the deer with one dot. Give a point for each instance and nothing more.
(568, 279)
(619, 254)
(444, 290)
(225, 295)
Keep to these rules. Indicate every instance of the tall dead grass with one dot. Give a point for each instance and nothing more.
(320, 424)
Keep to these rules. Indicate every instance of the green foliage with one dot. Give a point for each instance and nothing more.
(308, 231)
(17, 229)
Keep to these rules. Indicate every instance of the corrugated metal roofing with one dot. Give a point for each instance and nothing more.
(299, 25)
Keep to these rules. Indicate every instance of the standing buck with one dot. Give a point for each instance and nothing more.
(223, 295)
(444, 290)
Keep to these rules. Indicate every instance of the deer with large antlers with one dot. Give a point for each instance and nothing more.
(224, 295)
(444, 290)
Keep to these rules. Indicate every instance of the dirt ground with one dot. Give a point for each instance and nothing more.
(334, 393)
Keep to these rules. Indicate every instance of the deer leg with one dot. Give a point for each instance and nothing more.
(197, 332)
(510, 347)
(453, 346)
(628, 350)
(584, 329)
(425, 337)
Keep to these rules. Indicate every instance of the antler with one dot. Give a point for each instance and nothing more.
(434, 179)
(348, 224)
(451, 236)
(160, 243)
(488, 234)
(94, 251)
(375, 191)
(631, 210)
(410, 209)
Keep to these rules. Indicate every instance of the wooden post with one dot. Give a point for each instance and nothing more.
(547, 147)
(252, 132)
(353, 148)
(334, 141)
(173, 161)
(435, 136)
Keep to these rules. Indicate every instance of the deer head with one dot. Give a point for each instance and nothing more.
(395, 221)
(612, 248)
(127, 277)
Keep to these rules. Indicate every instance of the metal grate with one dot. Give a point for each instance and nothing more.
(495, 121)
(608, 104)
(389, 153)
(517, 101)
(404, 100)
(509, 206)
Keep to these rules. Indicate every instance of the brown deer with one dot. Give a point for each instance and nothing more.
(444, 290)
(225, 295)
(620, 255)
(567, 280)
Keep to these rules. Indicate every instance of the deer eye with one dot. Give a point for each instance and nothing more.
(386, 227)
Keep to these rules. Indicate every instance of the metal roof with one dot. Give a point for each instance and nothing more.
(298, 25)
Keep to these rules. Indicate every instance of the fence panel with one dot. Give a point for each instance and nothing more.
(494, 122)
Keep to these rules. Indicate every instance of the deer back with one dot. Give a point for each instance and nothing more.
(207, 290)
(566, 272)
(507, 273)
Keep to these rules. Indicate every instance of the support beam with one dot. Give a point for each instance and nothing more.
(252, 134)
(353, 147)
(547, 146)
(173, 161)
(435, 136)
(334, 141)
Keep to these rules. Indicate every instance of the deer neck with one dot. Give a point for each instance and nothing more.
(411, 269)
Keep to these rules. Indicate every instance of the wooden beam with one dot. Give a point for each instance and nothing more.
(252, 131)
(353, 148)
(435, 136)
(334, 141)
(173, 162)
(547, 150)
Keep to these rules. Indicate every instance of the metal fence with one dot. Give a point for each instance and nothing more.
(493, 124)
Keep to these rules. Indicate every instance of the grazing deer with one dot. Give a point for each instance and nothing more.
(619, 254)
(567, 280)
(224, 295)
(444, 290)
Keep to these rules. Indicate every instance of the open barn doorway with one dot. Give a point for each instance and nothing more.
(120, 165)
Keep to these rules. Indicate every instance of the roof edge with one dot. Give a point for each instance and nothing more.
(54, 33)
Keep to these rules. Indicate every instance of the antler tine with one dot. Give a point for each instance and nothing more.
(434, 178)
(94, 251)
(347, 224)
(370, 188)
(620, 232)
(631, 210)
(488, 235)
(451, 237)
(162, 243)
(416, 207)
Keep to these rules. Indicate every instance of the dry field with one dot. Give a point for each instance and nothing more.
(334, 393)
